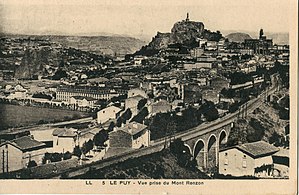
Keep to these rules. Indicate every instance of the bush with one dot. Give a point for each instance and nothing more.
(31, 163)
(67, 155)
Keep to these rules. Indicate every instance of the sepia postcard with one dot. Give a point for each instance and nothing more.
(148, 97)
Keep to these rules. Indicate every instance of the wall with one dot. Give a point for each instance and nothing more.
(14, 158)
(135, 92)
(36, 155)
(132, 104)
(120, 139)
(106, 114)
(267, 160)
(232, 164)
(142, 138)
(63, 144)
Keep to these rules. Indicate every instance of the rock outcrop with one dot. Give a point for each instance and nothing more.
(184, 32)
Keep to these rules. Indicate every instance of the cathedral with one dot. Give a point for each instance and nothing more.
(261, 45)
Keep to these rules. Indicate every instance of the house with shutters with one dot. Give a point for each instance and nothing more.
(249, 159)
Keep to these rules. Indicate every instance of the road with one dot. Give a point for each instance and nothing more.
(158, 145)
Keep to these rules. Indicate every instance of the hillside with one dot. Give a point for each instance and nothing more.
(267, 123)
(108, 45)
(160, 165)
(237, 37)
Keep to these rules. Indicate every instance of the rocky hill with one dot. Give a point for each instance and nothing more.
(184, 32)
(237, 37)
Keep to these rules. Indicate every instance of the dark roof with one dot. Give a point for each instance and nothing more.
(133, 128)
(26, 143)
(57, 167)
(258, 149)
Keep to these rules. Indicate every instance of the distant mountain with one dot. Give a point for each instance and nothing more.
(108, 44)
(281, 38)
(238, 37)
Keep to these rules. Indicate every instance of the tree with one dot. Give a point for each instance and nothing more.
(111, 126)
(77, 151)
(119, 121)
(141, 115)
(59, 74)
(31, 163)
(100, 138)
(181, 152)
(141, 103)
(56, 157)
(127, 114)
(209, 110)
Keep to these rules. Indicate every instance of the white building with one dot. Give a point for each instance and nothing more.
(108, 113)
(82, 101)
(250, 159)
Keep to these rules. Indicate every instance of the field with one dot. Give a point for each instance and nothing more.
(15, 116)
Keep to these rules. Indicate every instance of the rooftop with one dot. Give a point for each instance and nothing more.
(133, 128)
(258, 149)
(25, 143)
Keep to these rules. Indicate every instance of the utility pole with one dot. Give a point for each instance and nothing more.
(7, 161)
(3, 157)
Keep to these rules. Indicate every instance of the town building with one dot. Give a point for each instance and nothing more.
(17, 153)
(82, 101)
(192, 94)
(197, 65)
(64, 140)
(161, 106)
(64, 93)
(196, 52)
(250, 159)
(106, 114)
(137, 91)
(132, 103)
(261, 45)
(132, 135)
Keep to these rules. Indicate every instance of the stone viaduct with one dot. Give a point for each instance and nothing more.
(204, 147)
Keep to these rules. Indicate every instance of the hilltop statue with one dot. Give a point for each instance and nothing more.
(261, 33)
(187, 19)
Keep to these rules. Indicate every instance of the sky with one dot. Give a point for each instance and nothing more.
(139, 18)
